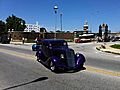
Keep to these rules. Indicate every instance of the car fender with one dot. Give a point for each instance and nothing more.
(80, 59)
(34, 47)
(39, 53)
(55, 60)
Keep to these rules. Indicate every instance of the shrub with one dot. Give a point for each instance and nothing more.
(117, 46)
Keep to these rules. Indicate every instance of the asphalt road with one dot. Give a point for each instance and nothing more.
(22, 72)
(97, 58)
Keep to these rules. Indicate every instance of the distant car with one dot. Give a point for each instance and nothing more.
(56, 55)
(4, 39)
(117, 38)
(77, 40)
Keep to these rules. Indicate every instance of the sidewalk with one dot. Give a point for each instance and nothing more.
(20, 43)
(108, 49)
(27, 46)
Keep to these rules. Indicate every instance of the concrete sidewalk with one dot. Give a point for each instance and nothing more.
(108, 49)
(27, 46)
(20, 43)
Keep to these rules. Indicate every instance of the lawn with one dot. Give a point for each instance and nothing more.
(117, 46)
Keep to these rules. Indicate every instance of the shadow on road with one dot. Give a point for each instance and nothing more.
(70, 71)
(36, 80)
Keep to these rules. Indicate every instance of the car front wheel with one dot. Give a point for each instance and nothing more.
(52, 66)
(38, 59)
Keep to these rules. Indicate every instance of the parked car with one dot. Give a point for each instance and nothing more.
(4, 39)
(77, 40)
(117, 38)
(56, 55)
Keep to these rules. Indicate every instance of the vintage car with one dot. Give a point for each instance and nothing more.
(4, 39)
(56, 55)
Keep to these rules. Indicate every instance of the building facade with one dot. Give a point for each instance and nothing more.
(32, 27)
(85, 27)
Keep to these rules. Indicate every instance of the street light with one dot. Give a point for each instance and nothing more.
(55, 9)
(61, 20)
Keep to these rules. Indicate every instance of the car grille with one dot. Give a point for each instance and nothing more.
(70, 58)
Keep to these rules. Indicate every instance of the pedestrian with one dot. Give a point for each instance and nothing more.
(23, 40)
(36, 40)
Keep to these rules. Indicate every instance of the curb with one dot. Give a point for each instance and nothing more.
(107, 51)
(98, 48)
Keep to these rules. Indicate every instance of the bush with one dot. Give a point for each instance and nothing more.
(117, 46)
(30, 41)
(69, 40)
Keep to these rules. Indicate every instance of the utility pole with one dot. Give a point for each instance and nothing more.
(55, 9)
(61, 20)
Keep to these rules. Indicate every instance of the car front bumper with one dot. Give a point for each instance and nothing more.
(67, 68)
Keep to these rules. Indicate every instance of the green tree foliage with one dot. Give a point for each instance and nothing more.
(43, 29)
(106, 30)
(15, 23)
(32, 31)
(2, 27)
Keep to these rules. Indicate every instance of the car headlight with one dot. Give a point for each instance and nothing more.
(62, 56)
(77, 54)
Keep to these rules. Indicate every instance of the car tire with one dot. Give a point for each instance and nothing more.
(52, 66)
(81, 65)
(38, 59)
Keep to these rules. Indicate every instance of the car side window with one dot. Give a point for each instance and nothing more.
(46, 50)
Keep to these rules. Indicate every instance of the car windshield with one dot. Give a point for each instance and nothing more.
(58, 44)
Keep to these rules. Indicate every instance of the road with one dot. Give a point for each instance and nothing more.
(98, 59)
(20, 71)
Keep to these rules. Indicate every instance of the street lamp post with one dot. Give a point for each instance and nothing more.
(61, 20)
(55, 9)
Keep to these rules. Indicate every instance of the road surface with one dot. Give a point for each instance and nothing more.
(19, 70)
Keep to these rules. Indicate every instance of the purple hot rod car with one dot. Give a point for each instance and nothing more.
(56, 55)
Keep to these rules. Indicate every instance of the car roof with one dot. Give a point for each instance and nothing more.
(53, 40)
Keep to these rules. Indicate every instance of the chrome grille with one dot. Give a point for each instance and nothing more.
(70, 58)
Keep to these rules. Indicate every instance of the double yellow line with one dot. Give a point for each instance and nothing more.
(103, 71)
(88, 68)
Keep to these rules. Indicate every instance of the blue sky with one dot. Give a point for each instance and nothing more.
(75, 12)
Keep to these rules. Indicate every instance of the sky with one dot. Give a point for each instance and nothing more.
(74, 13)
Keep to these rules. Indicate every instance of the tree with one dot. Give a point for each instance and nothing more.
(51, 31)
(43, 29)
(106, 33)
(15, 23)
(58, 31)
(32, 31)
(67, 31)
(2, 27)
(100, 31)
